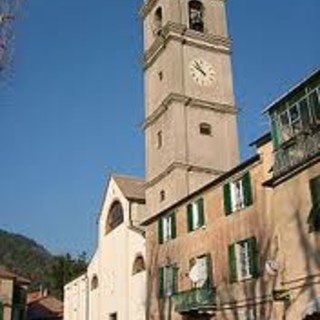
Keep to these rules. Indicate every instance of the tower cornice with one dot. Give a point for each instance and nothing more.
(184, 166)
(189, 102)
(179, 32)
(150, 4)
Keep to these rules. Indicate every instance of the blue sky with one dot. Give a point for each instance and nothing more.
(72, 111)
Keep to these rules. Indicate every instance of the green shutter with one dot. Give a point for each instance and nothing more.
(160, 230)
(232, 263)
(190, 217)
(247, 190)
(173, 225)
(315, 190)
(200, 204)
(275, 134)
(254, 257)
(1, 310)
(175, 279)
(209, 282)
(227, 199)
(161, 282)
(314, 216)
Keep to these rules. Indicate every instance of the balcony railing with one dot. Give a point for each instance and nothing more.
(202, 299)
(300, 149)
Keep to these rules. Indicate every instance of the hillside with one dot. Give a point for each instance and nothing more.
(25, 257)
(29, 259)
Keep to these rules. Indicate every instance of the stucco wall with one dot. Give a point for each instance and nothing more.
(76, 299)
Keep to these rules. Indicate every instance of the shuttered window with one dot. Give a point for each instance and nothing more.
(1, 310)
(314, 216)
(167, 229)
(243, 260)
(237, 194)
(195, 215)
(167, 281)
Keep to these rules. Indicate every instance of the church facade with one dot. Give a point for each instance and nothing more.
(114, 284)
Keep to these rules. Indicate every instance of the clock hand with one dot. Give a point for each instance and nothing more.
(197, 66)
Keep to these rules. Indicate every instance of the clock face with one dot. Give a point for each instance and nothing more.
(202, 72)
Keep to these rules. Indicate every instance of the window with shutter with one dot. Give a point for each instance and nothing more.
(195, 215)
(244, 260)
(314, 216)
(167, 228)
(237, 194)
(167, 280)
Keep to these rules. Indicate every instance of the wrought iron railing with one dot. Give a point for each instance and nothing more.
(300, 149)
(197, 299)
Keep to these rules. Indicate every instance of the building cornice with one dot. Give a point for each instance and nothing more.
(184, 166)
(179, 32)
(150, 4)
(221, 179)
(189, 102)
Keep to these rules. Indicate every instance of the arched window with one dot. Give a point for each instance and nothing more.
(157, 23)
(196, 15)
(94, 282)
(138, 264)
(115, 216)
(205, 129)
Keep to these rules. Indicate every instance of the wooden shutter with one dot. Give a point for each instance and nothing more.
(160, 230)
(200, 204)
(209, 282)
(161, 282)
(232, 263)
(190, 217)
(247, 190)
(254, 257)
(175, 279)
(275, 134)
(173, 225)
(227, 199)
(1, 310)
(315, 190)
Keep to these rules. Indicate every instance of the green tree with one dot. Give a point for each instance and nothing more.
(65, 268)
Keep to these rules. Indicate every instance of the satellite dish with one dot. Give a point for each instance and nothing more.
(272, 267)
(198, 273)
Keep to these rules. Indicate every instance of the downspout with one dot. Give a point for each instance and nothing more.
(87, 314)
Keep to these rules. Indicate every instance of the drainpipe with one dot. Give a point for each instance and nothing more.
(87, 297)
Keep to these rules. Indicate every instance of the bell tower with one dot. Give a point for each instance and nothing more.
(190, 114)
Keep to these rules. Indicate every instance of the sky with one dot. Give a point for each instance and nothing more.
(71, 110)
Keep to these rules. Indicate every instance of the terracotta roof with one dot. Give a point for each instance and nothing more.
(132, 188)
(7, 274)
(45, 308)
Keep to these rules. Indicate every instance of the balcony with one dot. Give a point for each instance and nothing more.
(296, 152)
(195, 300)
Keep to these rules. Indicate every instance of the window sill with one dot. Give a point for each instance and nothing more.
(198, 228)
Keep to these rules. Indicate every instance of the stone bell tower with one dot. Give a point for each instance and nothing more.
(190, 114)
